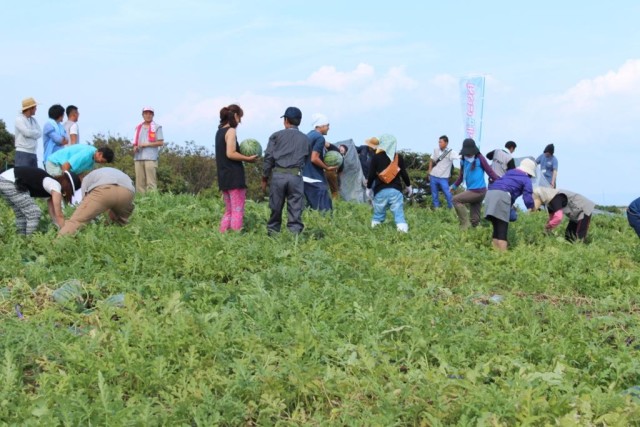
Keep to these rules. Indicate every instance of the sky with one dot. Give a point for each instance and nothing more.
(566, 73)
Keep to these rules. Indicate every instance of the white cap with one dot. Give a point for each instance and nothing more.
(147, 109)
(319, 120)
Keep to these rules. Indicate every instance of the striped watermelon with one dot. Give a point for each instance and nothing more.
(250, 147)
(333, 158)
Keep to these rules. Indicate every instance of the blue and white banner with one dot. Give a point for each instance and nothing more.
(472, 99)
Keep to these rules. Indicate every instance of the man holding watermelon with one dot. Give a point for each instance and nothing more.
(316, 189)
(286, 154)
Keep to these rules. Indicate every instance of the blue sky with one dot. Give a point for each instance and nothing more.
(566, 73)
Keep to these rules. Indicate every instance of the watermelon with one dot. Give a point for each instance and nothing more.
(333, 158)
(250, 147)
(71, 295)
(116, 300)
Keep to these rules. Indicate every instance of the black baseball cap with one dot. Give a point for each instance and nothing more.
(292, 113)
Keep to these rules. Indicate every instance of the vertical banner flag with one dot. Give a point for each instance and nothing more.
(472, 100)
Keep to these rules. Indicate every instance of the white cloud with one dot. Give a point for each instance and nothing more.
(590, 94)
(381, 92)
(329, 78)
(357, 91)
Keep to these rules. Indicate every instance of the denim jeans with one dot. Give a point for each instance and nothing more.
(443, 184)
(25, 159)
(389, 198)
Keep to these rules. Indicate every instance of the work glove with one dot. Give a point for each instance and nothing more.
(409, 191)
(369, 193)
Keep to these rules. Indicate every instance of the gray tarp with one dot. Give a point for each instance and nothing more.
(539, 180)
(352, 187)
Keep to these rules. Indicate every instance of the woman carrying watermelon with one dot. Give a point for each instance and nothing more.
(231, 178)
(387, 172)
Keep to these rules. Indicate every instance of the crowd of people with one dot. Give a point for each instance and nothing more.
(295, 171)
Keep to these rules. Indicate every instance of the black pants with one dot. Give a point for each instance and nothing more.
(577, 230)
(289, 188)
(500, 228)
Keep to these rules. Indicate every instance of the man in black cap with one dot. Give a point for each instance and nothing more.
(286, 154)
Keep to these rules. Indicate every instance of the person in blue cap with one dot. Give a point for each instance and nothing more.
(287, 152)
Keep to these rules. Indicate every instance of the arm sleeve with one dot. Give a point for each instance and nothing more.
(268, 158)
(318, 145)
(555, 219)
(372, 172)
(511, 164)
(50, 185)
(460, 176)
(27, 131)
(159, 135)
(488, 169)
(527, 195)
(50, 131)
(490, 155)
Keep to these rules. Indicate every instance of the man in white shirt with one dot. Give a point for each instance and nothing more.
(440, 165)
(71, 125)
(27, 132)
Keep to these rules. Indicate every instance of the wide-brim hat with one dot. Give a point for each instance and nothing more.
(528, 166)
(372, 142)
(469, 148)
(28, 103)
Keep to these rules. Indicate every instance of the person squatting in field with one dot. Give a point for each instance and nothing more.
(473, 166)
(20, 185)
(286, 154)
(103, 190)
(440, 171)
(384, 186)
(231, 176)
(501, 196)
(563, 202)
(78, 158)
(316, 189)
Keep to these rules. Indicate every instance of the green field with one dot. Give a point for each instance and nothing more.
(342, 326)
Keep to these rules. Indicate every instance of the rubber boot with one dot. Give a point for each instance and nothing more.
(463, 216)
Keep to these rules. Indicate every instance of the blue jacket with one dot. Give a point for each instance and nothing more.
(53, 134)
(473, 173)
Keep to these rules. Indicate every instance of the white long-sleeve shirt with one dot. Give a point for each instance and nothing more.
(27, 133)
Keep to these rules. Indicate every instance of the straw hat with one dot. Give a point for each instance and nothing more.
(28, 103)
(372, 142)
